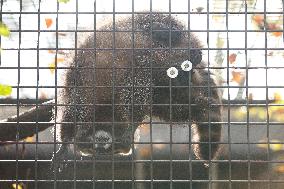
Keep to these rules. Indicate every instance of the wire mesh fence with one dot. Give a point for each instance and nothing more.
(141, 94)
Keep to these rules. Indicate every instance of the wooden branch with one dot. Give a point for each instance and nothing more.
(27, 123)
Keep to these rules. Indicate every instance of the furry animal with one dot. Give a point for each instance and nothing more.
(118, 76)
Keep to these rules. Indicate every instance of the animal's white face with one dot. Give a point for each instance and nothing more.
(102, 141)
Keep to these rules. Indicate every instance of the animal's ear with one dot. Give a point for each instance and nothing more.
(27, 123)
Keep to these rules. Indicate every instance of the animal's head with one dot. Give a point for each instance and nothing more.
(170, 49)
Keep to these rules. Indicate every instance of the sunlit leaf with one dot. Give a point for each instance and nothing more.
(218, 17)
(262, 114)
(241, 112)
(238, 77)
(275, 146)
(258, 19)
(54, 52)
(220, 42)
(52, 65)
(279, 110)
(258, 112)
(5, 90)
(275, 26)
(262, 144)
(60, 60)
(18, 186)
(48, 22)
(279, 168)
(29, 139)
(232, 58)
(4, 30)
(277, 96)
(63, 1)
(277, 34)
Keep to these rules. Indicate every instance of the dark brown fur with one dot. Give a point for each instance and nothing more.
(111, 60)
(127, 70)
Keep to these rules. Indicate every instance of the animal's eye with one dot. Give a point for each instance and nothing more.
(172, 72)
(186, 65)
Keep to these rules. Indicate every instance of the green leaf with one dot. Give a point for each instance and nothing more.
(63, 1)
(4, 30)
(5, 90)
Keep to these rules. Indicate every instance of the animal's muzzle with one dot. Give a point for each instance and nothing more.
(103, 143)
(103, 140)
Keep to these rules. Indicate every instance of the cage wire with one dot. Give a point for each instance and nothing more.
(41, 40)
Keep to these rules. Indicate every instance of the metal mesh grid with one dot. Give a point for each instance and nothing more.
(251, 147)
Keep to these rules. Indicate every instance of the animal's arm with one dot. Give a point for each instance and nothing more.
(26, 123)
(207, 116)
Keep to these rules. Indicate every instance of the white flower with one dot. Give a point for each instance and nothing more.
(172, 72)
(186, 65)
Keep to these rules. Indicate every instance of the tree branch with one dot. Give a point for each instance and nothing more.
(27, 123)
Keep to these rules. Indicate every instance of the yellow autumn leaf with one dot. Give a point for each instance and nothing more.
(4, 30)
(59, 60)
(54, 52)
(277, 109)
(258, 19)
(275, 26)
(220, 42)
(52, 65)
(277, 96)
(29, 139)
(218, 17)
(258, 112)
(18, 186)
(274, 145)
(261, 144)
(48, 22)
(5, 90)
(241, 112)
(279, 168)
(238, 77)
